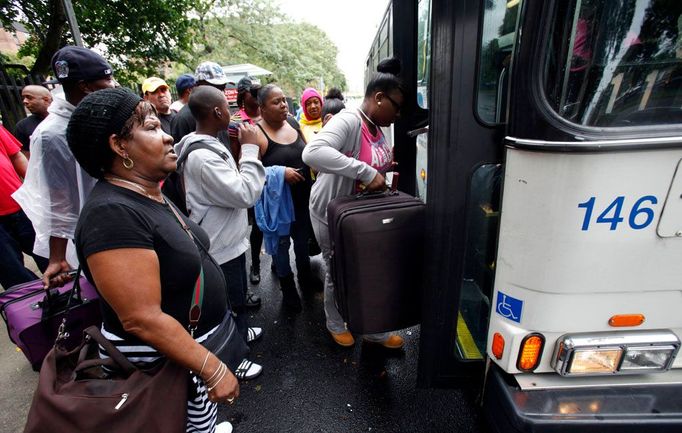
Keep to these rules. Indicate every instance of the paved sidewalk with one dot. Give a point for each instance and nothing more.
(17, 380)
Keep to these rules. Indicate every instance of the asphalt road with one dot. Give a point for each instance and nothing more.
(309, 384)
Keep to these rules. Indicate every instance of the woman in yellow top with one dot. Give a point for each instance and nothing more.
(311, 118)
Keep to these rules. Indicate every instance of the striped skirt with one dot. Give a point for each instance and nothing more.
(201, 413)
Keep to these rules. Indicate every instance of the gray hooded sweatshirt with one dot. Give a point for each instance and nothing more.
(218, 193)
(334, 152)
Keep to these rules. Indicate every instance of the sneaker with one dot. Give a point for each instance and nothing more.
(248, 370)
(223, 427)
(344, 339)
(254, 276)
(392, 342)
(252, 300)
(253, 334)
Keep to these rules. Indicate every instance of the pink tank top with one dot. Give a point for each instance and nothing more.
(374, 151)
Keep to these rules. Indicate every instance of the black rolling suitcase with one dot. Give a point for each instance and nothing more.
(377, 245)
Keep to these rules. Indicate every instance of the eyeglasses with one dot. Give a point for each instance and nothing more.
(395, 104)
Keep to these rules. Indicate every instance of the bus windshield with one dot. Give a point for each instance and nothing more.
(616, 63)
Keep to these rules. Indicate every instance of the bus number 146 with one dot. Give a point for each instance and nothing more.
(641, 214)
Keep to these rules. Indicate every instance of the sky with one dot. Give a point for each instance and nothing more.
(350, 24)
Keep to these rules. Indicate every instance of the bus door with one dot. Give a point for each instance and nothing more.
(464, 59)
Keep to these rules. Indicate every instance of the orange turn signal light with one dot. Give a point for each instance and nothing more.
(531, 352)
(626, 320)
(498, 345)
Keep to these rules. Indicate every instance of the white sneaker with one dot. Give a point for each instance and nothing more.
(223, 427)
(248, 370)
(253, 334)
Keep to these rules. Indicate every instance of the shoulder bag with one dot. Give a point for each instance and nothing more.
(80, 392)
(225, 341)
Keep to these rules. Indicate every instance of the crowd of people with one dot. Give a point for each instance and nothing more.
(94, 195)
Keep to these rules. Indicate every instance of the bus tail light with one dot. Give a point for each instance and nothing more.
(530, 353)
(606, 353)
(498, 345)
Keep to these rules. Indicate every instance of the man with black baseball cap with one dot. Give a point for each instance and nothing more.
(55, 186)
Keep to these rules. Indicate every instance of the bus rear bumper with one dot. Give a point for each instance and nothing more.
(640, 409)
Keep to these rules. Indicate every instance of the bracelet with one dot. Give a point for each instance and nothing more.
(214, 379)
(215, 373)
(210, 388)
(208, 353)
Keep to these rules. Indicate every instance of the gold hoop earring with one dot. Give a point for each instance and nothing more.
(128, 163)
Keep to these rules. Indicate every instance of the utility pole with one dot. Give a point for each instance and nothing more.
(71, 18)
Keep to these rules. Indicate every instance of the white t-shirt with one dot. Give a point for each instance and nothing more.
(177, 106)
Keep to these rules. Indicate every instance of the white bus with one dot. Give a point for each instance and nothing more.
(552, 172)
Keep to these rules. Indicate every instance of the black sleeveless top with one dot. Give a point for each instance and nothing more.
(290, 155)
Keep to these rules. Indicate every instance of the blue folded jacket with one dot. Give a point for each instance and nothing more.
(274, 208)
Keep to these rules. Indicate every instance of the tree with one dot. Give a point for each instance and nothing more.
(137, 37)
(254, 31)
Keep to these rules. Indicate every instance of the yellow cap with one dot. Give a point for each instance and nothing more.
(152, 83)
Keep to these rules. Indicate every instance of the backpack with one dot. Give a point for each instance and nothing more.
(174, 185)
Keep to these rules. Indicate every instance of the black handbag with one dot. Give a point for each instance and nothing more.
(225, 341)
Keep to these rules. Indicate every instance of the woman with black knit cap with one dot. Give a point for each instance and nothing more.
(132, 246)
(351, 154)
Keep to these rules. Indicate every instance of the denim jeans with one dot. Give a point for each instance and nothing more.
(235, 275)
(300, 233)
(17, 236)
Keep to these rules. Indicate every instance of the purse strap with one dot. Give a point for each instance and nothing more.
(114, 354)
(198, 297)
(62, 333)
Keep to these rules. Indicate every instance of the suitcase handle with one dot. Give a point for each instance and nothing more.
(386, 193)
(375, 194)
(55, 302)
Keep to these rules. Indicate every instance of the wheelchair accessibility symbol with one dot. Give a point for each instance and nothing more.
(508, 307)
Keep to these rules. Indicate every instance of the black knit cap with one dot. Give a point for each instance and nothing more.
(99, 115)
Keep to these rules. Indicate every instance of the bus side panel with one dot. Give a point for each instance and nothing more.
(578, 244)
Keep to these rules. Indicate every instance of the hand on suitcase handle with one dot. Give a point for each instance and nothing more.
(377, 184)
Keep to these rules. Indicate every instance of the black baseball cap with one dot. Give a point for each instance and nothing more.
(73, 63)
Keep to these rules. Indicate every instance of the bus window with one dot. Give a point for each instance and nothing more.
(499, 30)
(382, 46)
(616, 63)
(423, 52)
(483, 219)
